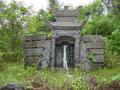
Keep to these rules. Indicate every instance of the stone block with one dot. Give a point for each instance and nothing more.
(97, 51)
(42, 63)
(42, 43)
(66, 19)
(29, 60)
(92, 38)
(34, 51)
(94, 45)
(34, 38)
(30, 44)
(99, 58)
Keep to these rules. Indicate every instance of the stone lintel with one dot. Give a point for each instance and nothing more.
(64, 25)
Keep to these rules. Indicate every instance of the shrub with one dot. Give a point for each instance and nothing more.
(112, 57)
(11, 56)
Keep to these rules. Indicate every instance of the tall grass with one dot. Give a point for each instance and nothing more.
(15, 73)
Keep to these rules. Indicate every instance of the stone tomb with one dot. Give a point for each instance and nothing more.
(85, 52)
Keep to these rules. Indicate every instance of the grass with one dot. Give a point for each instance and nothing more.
(106, 75)
(15, 73)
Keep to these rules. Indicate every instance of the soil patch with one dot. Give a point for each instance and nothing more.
(114, 85)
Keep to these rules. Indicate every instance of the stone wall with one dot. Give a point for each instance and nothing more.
(91, 52)
(37, 50)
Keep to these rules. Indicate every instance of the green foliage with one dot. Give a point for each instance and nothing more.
(95, 22)
(115, 41)
(12, 56)
(94, 9)
(53, 5)
(115, 77)
(116, 7)
(99, 25)
(12, 19)
(38, 24)
(15, 73)
(106, 75)
(112, 59)
(79, 84)
(106, 25)
(54, 78)
(91, 57)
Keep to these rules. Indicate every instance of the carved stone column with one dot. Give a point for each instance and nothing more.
(77, 52)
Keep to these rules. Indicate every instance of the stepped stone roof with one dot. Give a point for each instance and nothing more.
(66, 20)
(65, 25)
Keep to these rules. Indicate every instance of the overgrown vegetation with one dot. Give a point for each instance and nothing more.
(97, 23)
(16, 21)
(15, 73)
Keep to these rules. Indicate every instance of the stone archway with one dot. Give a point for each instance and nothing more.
(60, 42)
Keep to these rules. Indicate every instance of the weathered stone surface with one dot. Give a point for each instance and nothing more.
(67, 13)
(35, 51)
(29, 60)
(69, 39)
(86, 66)
(42, 63)
(97, 51)
(34, 38)
(30, 44)
(99, 58)
(38, 49)
(92, 38)
(94, 45)
(72, 33)
(42, 43)
(65, 25)
(66, 19)
(91, 45)
(32, 59)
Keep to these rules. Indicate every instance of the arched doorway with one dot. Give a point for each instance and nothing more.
(59, 51)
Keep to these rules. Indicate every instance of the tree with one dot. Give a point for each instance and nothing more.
(98, 24)
(12, 21)
(53, 5)
(115, 4)
(37, 24)
(90, 11)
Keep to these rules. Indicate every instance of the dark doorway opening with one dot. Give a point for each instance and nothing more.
(59, 51)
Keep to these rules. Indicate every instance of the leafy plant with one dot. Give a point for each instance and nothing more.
(112, 58)
(79, 84)
(91, 57)
(115, 77)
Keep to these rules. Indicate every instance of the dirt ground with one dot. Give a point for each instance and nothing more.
(115, 85)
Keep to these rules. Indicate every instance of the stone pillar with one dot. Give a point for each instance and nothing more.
(77, 52)
(52, 52)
